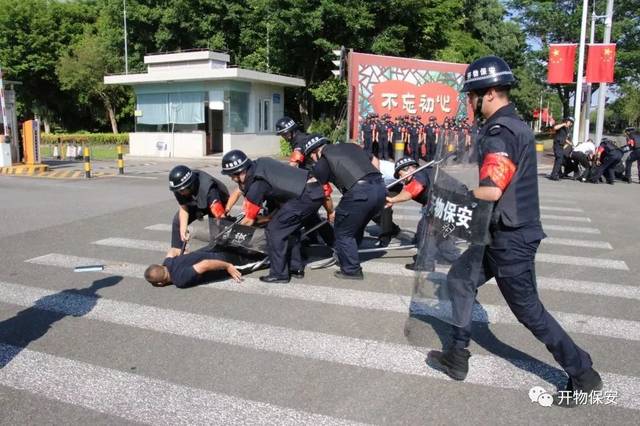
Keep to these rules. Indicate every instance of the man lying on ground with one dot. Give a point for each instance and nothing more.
(195, 268)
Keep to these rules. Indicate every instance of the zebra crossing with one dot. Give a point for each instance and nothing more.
(340, 341)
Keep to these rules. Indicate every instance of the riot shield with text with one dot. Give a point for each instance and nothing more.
(240, 238)
(451, 236)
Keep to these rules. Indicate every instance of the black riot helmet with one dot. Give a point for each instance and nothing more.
(487, 72)
(285, 125)
(234, 162)
(402, 163)
(181, 177)
(314, 143)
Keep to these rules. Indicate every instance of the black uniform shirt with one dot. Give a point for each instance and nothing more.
(192, 200)
(184, 275)
(256, 190)
(560, 137)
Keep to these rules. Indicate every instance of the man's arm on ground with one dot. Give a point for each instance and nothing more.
(217, 265)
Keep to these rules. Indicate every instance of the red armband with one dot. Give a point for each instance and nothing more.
(600, 150)
(499, 169)
(327, 189)
(217, 209)
(296, 157)
(631, 143)
(250, 210)
(414, 188)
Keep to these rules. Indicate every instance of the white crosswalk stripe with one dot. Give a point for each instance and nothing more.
(572, 229)
(416, 217)
(115, 392)
(364, 353)
(486, 313)
(561, 209)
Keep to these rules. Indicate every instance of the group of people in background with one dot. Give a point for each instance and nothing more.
(380, 134)
(587, 162)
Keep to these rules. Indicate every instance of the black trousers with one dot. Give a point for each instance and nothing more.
(634, 156)
(558, 153)
(607, 167)
(283, 231)
(513, 266)
(356, 208)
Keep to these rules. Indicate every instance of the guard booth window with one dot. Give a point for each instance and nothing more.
(264, 115)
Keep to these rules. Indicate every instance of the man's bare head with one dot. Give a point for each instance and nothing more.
(157, 275)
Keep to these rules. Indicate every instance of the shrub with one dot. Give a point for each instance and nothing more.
(85, 138)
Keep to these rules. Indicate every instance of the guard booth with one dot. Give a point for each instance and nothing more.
(9, 151)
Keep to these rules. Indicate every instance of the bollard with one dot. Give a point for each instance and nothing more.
(398, 149)
(120, 160)
(539, 151)
(87, 163)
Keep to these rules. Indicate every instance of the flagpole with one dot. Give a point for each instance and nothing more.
(602, 90)
(587, 102)
(578, 94)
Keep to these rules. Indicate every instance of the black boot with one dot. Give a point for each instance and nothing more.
(586, 382)
(453, 362)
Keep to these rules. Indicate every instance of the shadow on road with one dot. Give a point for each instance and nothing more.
(34, 322)
(417, 329)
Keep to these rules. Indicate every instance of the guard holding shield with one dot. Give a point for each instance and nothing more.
(508, 177)
(416, 188)
(298, 197)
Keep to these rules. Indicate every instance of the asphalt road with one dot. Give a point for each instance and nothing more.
(107, 348)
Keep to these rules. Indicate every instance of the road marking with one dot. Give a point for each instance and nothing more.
(588, 262)
(598, 326)
(160, 246)
(159, 227)
(561, 209)
(416, 217)
(115, 392)
(574, 229)
(577, 243)
(364, 353)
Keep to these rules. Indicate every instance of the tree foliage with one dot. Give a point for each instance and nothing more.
(61, 49)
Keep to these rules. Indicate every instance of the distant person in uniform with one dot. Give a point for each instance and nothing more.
(633, 142)
(559, 141)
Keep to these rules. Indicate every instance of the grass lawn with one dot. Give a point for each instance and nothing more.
(98, 152)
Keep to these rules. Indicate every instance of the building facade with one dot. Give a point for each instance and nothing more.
(193, 104)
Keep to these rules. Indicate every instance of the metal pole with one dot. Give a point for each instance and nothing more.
(126, 53)
(578, 94)
(588, 95)
(349, 100)
(540, 115)
(602, 90)
(268, 67)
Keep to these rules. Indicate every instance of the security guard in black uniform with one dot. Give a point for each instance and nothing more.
(383, 138)
(348, 167)
(416, 188)
(414, 139)
(431, 133)
(508, 176)
(198, 194)
(366, 133)
(633, 142)
(559, 140)
(287, 128)
(608, 155)
(297, 195)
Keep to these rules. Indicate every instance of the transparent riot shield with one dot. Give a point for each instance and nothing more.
(227, 234)
(451, 237)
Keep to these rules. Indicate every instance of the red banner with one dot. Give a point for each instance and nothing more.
(402, 98)
(561, 61)
(600, 63)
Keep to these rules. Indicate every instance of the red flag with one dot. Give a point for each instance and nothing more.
(561, 60)
(600, 63)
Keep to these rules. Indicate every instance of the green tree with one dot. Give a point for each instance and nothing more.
(82, 68)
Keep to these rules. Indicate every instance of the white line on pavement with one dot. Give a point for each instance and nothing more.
(588, 262)
(576, 243)
(135, 397)
(561, 209)
(364, 353)
(598, 326)
(574, 229)
(416, 217)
